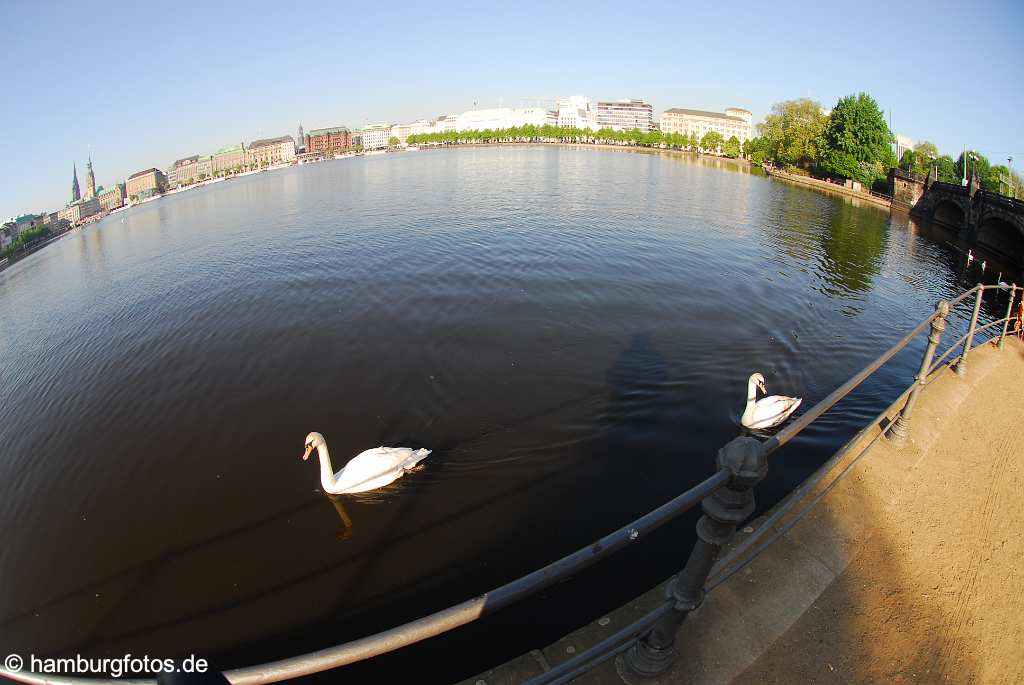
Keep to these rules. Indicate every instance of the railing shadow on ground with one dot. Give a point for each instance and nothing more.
(726, 497)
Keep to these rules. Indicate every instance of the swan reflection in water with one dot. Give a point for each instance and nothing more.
(345, 532)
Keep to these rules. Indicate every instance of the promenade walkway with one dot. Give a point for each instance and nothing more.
(908, 571)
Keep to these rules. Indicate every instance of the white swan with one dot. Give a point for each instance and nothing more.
(367, 470)
(767, 411)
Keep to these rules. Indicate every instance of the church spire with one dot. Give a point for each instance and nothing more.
(90, 181)
(76, 194)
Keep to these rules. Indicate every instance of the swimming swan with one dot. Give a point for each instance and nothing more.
(368, 470)
(767, 411)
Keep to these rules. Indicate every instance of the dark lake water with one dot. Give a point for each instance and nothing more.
(569, 330)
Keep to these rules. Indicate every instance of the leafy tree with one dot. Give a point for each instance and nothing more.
(792, 131)
(979, 167)
(946, 169)
(25, 239)
(919, 160)
(856, 142)
(908, 161)
(712, 140)
(1000, 180)
(732, 147)
(393, 141)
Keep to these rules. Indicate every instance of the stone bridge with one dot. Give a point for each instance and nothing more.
(979, 217)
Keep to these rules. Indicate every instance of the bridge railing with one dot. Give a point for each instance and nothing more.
(1008, 202)
(727, 499)
(949, 187)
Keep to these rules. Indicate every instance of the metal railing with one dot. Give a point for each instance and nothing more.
(727, 500)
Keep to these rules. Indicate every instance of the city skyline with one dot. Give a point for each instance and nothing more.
(194, 101)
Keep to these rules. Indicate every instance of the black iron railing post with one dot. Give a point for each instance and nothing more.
(898, 434)
(1009, 313)
(961, 367)
(729, 506)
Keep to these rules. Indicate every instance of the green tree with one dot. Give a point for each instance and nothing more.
(908, 161)
(856, 142)
(946, 168)
(791, 132)
(979, 167)
(923, 153)
(712, 140)
(731, 147)
(25, 239)
(393, 141)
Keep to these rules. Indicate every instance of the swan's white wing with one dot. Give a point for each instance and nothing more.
(376, 468)
(773, 410)
(372, 469)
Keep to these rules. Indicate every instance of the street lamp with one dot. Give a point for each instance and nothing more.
(935, 171)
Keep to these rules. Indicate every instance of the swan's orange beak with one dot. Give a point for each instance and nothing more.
(305, 455)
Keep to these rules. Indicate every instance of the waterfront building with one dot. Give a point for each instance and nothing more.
(446, 123)
(421, 126)
(900, 145)
(112, 198)
(375, 136)
(182, 171)
(204, 167)
(143, 184)
(328, 141)
(402, 132)
(300, 142)
(78, 211)
(576, 112)
(504, 117)
(19, 224)
(75, 192)
(733, 122)
(228, 159)
(90, 180)
(625, 115)
(270, 151)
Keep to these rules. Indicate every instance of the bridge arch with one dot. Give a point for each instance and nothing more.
(950, 213)
(1002, 233)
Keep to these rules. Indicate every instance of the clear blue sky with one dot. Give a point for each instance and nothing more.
(141, 85)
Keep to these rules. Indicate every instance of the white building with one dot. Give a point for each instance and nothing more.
(504, 117)
(446, 123)
(400, 131)
(732, 122)
(625, 115)
(576, 112)
(288, 150)
(901, 145)
(375, 136)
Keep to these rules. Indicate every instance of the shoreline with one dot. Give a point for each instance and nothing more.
(633, 148)
(809, 182)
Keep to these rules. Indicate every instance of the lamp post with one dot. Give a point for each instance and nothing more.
(935, 171)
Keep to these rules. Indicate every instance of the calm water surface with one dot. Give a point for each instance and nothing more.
(570, 330)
